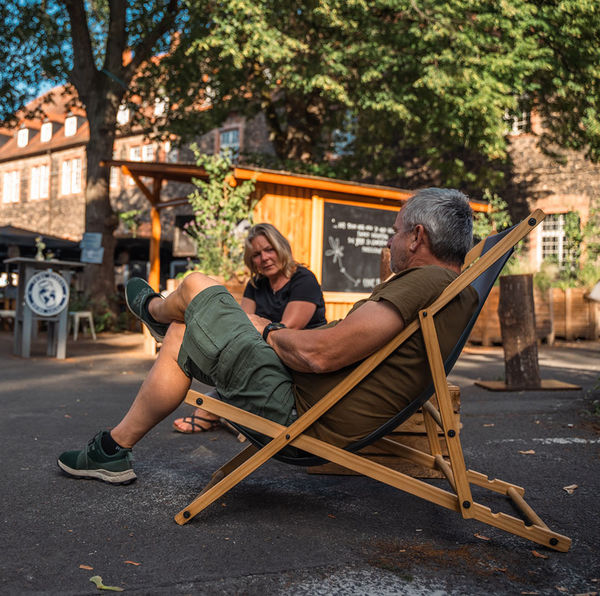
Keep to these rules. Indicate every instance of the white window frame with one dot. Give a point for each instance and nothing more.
(556, 232)
(11, 186)
(71, 176)
(135, 153)
(160, 107)
(22, 137)
(70, 126)
(46, 132)
(40, 178)
(114, 177)
(148, 152)
(236, 148)
(123, 115)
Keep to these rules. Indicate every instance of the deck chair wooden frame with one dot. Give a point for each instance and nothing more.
(458, 497)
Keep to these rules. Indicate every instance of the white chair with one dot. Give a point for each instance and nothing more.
(79, 316)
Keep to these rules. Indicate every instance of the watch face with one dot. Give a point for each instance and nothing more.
(47, 293)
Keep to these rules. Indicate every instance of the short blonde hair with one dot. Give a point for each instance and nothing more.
(279, 243)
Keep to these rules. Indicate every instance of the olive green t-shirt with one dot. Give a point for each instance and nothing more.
(403, 375)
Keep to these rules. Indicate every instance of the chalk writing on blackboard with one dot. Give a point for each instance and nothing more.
(353, 239)
(337, 252)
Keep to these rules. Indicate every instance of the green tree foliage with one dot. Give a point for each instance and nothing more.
(222, 211)
(402, 91)
(97, 47)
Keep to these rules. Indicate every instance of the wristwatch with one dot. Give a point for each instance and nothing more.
(272, 327)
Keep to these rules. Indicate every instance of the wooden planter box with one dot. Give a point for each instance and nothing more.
(565, 314)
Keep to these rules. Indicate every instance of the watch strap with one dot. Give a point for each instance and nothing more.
(271, 327)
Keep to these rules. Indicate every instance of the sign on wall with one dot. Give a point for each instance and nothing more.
(353, 238)
(92, 250)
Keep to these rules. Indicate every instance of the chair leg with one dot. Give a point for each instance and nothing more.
(231, 465)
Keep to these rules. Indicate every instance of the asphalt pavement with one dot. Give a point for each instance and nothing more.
(282, 530)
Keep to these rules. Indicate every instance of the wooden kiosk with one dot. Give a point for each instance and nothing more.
(336, 227)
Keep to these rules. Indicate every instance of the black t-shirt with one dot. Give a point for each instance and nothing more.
(303, 286)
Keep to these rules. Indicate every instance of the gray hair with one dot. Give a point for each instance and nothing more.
(447, 217)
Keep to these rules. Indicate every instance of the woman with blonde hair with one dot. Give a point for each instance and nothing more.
(280, 290)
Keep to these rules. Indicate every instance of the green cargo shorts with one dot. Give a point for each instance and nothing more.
(221, 347)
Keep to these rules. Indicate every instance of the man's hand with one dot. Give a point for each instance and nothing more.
(259, 322)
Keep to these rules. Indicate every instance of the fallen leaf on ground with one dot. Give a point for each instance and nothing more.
(96, 579)
(487, 425)
(529, 592)
(528, 452)
(538, 555)
(570, 489)
(67, 416)
(85, 567)
(131, 563)
(331, 515)
(480, 536)
(502, 569)
(561, 589)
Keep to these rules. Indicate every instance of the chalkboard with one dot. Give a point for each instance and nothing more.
(352, 241)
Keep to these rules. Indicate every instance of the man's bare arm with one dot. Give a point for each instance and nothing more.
(360, 334)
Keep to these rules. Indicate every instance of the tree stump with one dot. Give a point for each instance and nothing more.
(517, 323)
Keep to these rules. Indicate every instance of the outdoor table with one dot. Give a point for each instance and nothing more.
(46, 298)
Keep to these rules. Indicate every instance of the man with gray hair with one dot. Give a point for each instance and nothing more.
(279, 373)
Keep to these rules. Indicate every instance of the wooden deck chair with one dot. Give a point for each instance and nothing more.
(482, 267)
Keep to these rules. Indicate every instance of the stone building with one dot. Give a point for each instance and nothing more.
(43, 172)
(558, 181)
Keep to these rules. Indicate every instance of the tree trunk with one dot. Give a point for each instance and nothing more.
(99, 215)
(517, 323)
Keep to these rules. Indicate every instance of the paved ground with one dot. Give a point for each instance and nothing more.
(283, 531)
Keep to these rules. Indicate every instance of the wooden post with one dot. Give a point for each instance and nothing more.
(154, 277)
(517, 323)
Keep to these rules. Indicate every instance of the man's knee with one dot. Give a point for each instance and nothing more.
(193, 284)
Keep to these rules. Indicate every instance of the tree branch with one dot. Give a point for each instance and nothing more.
(84, 69)
(143, 50)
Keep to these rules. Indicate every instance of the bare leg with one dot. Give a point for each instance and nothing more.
(161, 393)
(172, 308)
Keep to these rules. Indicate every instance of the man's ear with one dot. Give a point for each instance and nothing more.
(419, 237)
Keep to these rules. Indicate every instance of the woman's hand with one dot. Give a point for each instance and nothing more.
(259, 322)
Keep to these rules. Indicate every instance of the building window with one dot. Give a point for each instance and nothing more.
(171, 152)
(552, 239)
(46, 133)
(135, 153)
(229, 143)
(40, 178)
(70, 126)
(71, 177)
(148, 153)
(10, 187)
(22, 137)
(160, 107)
(123, 115)
(114, 177)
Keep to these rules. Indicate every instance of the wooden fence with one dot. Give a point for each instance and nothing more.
(565, 314)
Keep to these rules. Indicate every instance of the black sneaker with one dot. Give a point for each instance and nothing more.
(138, 294)
(94, 462)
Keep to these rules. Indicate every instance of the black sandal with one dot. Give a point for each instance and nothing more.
(195, 426)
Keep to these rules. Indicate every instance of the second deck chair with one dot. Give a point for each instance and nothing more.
(482, 267)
